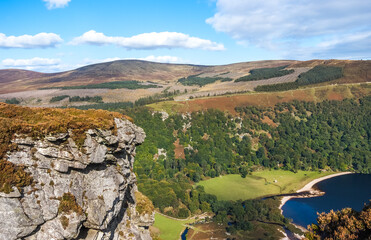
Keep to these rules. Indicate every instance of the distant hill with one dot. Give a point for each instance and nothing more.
(11, 75)
(12, 80)
(22, 80)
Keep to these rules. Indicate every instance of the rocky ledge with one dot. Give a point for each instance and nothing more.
(77, 192)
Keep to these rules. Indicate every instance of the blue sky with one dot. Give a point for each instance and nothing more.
(57, 35)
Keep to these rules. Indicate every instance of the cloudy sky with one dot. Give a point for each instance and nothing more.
(57, 35)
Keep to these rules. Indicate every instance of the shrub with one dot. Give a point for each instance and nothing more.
(201, 81)
(12, 175)
(58, 98)
(12, 101)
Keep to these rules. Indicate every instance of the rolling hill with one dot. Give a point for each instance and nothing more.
(22, 80)
(25, 85)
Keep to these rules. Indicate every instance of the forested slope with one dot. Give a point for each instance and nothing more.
(332, 135)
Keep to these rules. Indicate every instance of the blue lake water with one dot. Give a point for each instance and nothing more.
(353, 190)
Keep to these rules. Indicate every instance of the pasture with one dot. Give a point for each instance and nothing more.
(259, 184)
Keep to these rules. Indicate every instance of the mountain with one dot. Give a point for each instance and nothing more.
(122, 70)
(182, 81)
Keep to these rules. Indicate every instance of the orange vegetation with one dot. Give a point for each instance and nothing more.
(269, 121)
(12, 175)
(354, 71)
(68, 203)
(316, 94)
(179, 150)
(38, 122)
(343, 224)
(143, 204)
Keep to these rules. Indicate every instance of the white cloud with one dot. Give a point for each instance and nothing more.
(35, 64)
(347, 46)
(152, 40)
(281, 25)
(151, 58)
(163, 59)
(51, 4)
(40, 40)
(9, 62)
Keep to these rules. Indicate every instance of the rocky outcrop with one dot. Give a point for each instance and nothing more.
(78, 192)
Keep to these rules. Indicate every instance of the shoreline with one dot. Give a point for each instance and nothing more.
(309, 187)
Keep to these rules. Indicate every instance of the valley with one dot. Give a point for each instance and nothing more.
(218, 149)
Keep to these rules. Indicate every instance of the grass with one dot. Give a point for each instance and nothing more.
(259, 184)
(170, 107)
(170, 229)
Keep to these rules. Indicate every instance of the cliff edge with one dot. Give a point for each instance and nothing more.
(68, 174)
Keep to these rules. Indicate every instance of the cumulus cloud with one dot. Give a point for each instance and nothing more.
(152, 40)
(151, 58)
(40, 40)
(283, 24)
(51, 4)
(35, 64)
(347, 46)
(163, 59)
(9, 62)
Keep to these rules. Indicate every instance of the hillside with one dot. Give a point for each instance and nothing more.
(135, 80)
(21, 80)
(230, 102)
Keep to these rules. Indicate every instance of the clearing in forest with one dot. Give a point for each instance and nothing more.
(259, 184)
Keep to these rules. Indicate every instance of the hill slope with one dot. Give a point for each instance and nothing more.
(21, 80)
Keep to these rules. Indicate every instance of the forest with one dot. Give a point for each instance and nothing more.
(201, 81)
(265, 73)
(95, 99)
(318, 74)
(120, 106)
(110, 85)
(292, 136)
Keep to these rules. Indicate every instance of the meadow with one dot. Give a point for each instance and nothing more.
(170, 228)
(259, 184)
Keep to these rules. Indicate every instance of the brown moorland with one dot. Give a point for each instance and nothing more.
(354, 71)
(228, 103)
(122, 70)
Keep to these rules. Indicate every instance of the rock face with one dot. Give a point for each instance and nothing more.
(77, 192)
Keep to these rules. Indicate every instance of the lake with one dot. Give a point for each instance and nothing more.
(352, 190)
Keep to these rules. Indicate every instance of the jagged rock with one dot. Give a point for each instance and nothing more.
(97, 174)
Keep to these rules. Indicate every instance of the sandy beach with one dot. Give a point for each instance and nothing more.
(309, 186)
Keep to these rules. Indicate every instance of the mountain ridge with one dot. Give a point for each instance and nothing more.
(122, 70)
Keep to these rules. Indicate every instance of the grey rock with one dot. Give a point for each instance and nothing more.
(14, 222)
(99, 175)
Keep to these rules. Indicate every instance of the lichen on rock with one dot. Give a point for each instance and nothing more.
(68, 189)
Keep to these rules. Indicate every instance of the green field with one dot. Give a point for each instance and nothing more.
(259, 184)
(170, 229)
